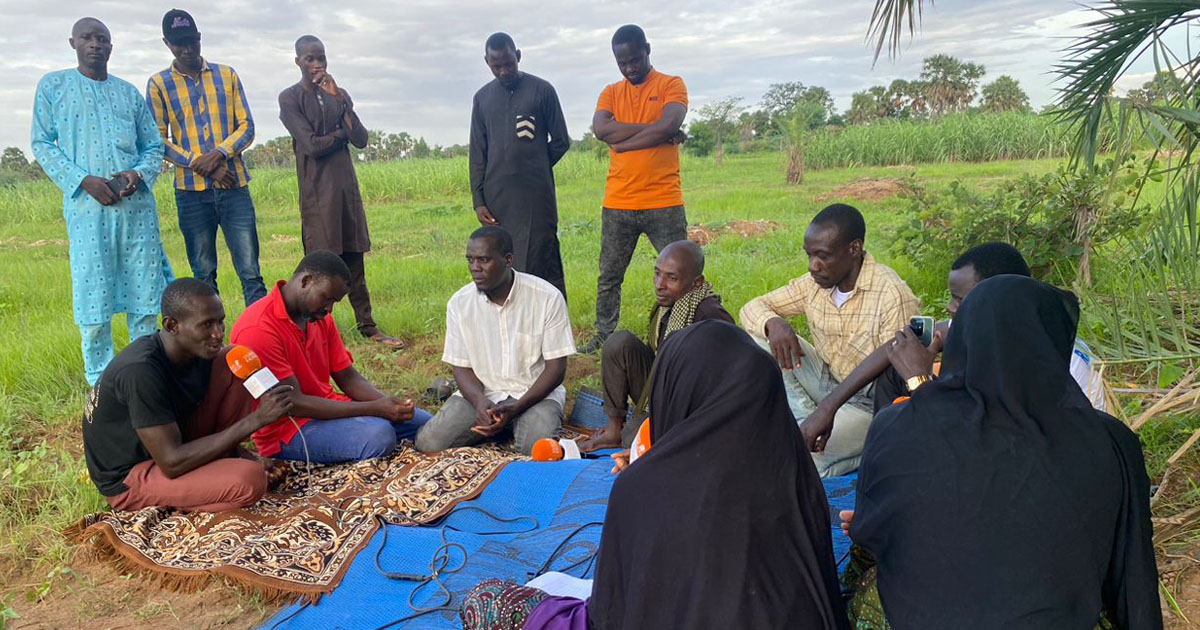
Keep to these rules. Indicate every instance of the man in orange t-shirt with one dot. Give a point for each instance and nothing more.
(639, 119)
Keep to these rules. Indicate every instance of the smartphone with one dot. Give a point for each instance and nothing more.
(922, 327)
(117, 184)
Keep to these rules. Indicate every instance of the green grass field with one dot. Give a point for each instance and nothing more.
(419, 213)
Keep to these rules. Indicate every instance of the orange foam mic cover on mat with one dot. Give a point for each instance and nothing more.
(547, 450)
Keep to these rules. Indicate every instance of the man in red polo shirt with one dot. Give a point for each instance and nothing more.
(291, 333)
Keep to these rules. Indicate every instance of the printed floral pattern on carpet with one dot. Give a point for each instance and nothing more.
(300, 538)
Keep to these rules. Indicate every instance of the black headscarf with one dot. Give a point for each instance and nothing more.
(997, 497)
(723, 523)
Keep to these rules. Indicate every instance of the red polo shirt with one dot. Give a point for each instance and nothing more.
(311, 356)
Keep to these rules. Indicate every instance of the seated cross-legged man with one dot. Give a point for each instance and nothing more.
(902, 364)
(163, 424)
(508, 338)
(853, 305)
(683, 297)
(291, 331)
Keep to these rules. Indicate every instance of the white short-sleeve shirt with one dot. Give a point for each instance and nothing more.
(507, 345)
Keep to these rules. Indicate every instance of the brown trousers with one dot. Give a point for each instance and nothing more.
(222, 484)
(625, 366)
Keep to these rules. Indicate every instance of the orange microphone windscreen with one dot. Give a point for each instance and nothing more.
(547, 450)
(243, 362)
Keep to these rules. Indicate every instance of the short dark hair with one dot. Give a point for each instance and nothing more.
(323, 263)
(629, 34)
(499, 237)
(178, 296)
(847, 219)
(498, 42)
(306, 39)
(993, 259)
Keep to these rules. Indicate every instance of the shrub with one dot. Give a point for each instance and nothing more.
(1055, 219)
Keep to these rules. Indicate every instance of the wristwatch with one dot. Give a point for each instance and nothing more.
(917, 381)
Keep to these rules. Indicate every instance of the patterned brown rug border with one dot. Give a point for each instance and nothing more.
(100, 535)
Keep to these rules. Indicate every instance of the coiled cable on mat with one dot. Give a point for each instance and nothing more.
(442, 561)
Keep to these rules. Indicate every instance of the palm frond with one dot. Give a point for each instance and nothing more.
(888, 20)
(1095, 61)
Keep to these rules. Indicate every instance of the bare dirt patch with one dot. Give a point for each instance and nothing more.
(868, 189)
(97, 596)
(705, 234)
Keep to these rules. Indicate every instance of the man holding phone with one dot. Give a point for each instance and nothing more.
(204, 119)
(96, 140)
(853, 305)
(905, 361)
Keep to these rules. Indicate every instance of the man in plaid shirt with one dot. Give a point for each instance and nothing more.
(853, 305)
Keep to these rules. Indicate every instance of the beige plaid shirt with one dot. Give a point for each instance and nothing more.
(879, 305)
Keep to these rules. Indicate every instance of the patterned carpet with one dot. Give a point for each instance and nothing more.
(301, 537)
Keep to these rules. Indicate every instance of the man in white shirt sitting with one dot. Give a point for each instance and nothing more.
(508, 338)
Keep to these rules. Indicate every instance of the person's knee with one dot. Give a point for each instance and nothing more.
(430, 439)
(541, 422)
(619, 344)
(377, 439)
(250, 483)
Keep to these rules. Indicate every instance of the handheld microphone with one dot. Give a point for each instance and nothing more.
(248, 367)
(552, 450)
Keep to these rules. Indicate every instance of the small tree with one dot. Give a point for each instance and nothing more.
(795, 130)
(722, 117)
(1004, 95)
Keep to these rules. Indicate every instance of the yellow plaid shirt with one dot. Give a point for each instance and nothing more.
(195, 117)
(879, 305)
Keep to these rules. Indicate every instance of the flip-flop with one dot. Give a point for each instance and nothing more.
(387, 340)
(439, 390)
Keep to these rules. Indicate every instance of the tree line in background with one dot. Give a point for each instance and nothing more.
(788, 112)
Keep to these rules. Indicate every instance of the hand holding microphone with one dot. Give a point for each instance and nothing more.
(274, 400)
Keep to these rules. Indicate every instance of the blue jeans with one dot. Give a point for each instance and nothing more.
(200, 213)
(351, 439)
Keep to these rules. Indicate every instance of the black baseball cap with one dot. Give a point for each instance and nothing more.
(178, 26)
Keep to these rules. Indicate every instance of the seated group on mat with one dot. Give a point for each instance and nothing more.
(993, 496)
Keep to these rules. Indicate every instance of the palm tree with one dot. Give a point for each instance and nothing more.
(1160, 313)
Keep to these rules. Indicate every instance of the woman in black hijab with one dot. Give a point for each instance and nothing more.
(721, 525)
(997, 497)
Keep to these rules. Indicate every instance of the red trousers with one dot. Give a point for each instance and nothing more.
(222, 484)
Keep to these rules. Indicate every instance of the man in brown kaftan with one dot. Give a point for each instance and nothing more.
(320, 117)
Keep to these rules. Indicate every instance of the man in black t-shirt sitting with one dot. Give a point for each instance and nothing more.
(163, 424)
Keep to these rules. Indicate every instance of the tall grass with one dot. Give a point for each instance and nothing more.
(956, 138)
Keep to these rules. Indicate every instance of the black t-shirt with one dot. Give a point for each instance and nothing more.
(139, 388)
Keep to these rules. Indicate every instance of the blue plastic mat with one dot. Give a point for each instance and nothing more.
(561, 496)
(588, 410)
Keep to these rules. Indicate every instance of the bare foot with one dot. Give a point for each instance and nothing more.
(608, 437)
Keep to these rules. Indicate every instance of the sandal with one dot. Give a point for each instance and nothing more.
(387, 340)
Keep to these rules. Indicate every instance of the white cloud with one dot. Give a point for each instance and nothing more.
(413, 66)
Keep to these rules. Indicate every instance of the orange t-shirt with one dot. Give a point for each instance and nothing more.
(647, 178)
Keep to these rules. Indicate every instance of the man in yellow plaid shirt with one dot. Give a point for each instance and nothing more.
(853, 305)
(205, 122)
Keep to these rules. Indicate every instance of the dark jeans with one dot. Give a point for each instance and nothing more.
(360, 298)
(619, 234)
(624, 369)
(200, 213)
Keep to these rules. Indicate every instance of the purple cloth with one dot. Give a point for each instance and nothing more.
(558, 613)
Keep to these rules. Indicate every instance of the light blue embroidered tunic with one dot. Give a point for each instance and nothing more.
(83, 127)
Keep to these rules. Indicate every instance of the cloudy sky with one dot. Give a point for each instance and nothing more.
(414, 66)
